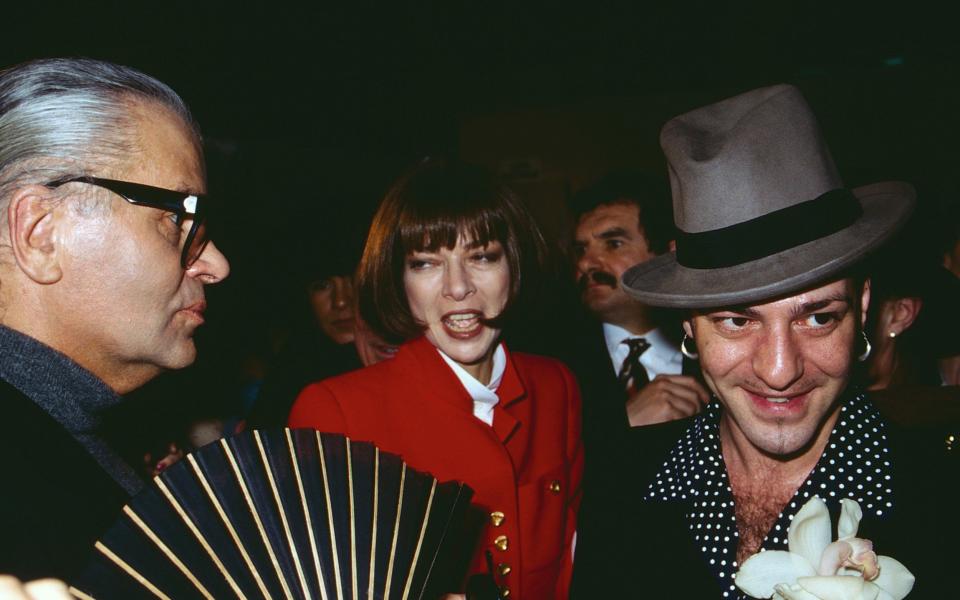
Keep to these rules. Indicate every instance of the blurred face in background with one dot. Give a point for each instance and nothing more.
(607, 242)
(371, 348)
(334, 306)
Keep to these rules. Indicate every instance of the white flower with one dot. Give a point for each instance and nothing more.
(816, 569)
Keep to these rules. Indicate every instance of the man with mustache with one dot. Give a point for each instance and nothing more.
(104, 256)
(634, 363)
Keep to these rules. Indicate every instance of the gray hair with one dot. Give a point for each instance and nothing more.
(60, 117)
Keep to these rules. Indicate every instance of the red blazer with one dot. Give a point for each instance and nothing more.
(528, 466)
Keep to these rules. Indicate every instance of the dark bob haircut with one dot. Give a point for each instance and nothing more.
(430, 208)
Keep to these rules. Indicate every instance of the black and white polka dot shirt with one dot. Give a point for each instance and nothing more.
(854, 465)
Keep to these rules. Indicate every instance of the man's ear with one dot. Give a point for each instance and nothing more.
(32, 227)
(672, 246)
(688, 328)
(864, 303)
(903, 312)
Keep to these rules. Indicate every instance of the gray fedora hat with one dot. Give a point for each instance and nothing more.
(760, 209)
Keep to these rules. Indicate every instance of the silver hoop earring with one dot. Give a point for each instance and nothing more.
(684, 351)
(867, 347)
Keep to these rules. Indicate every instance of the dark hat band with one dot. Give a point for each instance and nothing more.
(769, 234)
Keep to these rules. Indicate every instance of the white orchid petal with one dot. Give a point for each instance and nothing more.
(843, 564)
(871, 591)
(792, 592)
(894, 579)
(834, 587)
(760, 573)
(881, 595)
(850, 516)
(809, 533)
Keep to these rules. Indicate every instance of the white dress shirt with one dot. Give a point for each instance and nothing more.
(484, 396)
(662, 357)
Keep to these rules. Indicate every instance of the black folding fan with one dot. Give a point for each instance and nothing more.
(286, 514)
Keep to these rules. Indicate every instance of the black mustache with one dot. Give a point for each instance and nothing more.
(601, 277)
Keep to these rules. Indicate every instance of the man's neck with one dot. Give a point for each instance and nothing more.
(636, 326)
(120, 377)
(762, 484)
(742, 458)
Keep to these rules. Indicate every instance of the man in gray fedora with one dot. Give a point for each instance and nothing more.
(104, 256)
(768, 266)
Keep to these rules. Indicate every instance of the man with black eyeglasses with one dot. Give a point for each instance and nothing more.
(104, 257)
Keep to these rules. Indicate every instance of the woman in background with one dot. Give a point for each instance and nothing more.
(321, 336)
(442, 271)
(913, 323)
(913, 320)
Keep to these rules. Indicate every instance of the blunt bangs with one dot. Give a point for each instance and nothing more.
(430, 208)
(429, 233)
(448, 201)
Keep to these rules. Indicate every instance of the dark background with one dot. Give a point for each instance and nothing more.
(311, 110)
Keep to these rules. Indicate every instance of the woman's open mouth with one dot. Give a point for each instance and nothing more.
(462, 325)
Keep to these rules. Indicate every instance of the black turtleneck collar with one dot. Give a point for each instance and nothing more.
(73, 396)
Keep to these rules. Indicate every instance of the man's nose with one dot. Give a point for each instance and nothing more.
(457, 283)
(211, 266)
(588, 261)
(778, 361)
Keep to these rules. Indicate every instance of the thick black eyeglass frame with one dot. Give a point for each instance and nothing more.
(179, 203)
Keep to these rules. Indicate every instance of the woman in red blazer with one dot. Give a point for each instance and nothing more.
(442, 270)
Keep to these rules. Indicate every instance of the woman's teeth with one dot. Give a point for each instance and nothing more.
(464, 322)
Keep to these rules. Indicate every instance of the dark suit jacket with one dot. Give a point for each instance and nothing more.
(55, 499)
(631, 549)
(604, 414)
(606, 430)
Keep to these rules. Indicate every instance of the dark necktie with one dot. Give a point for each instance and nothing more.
(632, 375)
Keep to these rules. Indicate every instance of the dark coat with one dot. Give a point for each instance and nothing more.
(632, 549)
(928, 415)
(55, 499)
(606, 429)
(604, 414)
(307, 357)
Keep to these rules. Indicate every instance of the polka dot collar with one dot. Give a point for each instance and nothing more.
(855, 464)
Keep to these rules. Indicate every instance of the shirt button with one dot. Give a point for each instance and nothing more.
(503, 569)
(504, 591)
(555, 486)
(501, 542)
(497, 517)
